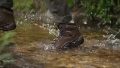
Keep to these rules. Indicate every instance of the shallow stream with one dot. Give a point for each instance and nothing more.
(34, 50)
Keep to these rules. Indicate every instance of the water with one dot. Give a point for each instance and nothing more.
(34, 50)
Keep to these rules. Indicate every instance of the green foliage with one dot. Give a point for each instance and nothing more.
(5, 39)
(23, 5)
(102, 9)
(107, 11)
(5, 56)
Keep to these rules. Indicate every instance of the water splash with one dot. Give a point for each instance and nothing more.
(45, 46)
(112, 42)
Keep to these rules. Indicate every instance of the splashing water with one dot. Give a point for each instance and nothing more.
(36, 52)
(112, 42)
